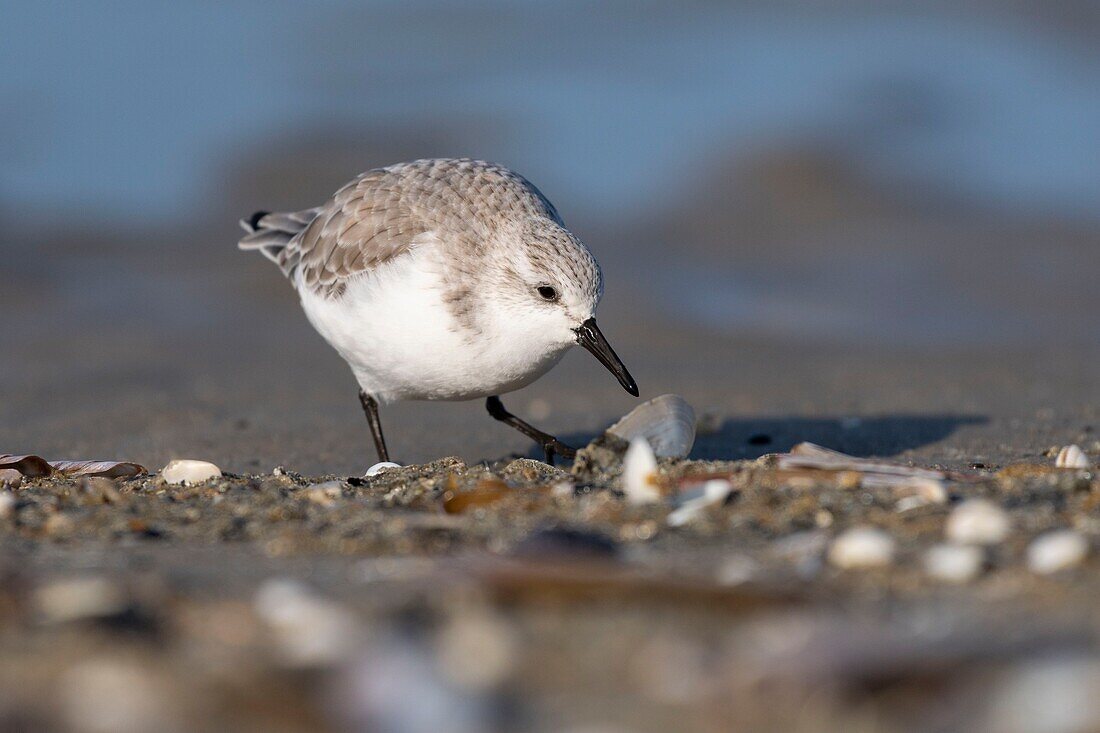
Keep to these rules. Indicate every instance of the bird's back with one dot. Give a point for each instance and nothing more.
(379, 216)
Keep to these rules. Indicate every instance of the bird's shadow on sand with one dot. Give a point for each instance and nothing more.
(747, 438)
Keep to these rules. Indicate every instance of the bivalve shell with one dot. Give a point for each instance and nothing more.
(667, 422)
(1071, 456)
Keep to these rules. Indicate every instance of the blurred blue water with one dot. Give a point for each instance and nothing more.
(130, 109)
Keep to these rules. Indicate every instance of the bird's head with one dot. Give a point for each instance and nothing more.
(552, 284)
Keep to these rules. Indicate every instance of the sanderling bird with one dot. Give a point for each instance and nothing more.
(445, 279)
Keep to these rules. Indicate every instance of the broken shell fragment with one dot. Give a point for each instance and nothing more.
(1071, 456)
(188, 471)
(667, 422)
(640, 473)
(713, 491)
(1055, 551)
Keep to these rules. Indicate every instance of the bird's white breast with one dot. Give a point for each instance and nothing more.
(396, 331)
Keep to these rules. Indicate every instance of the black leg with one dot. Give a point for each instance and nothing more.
(549, 443)
(370, 407)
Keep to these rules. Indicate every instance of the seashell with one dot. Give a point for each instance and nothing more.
(667, 422)
(1055, 551)
(188, 471)
(10, 478)
(954, 563)
(1071, 456)
(640, 473)
(380, 467)
(862, 547)
(978, 522)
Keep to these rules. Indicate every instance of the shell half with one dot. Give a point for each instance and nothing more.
(667, 422)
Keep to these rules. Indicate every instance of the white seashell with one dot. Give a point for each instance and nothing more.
(954, 563)
(931, 490)
(1058, 550)
(380, 467)
(978, 522)
(640, 473)
(713, 491)
(187, 471)
(1071, 456)
(668, 422)
(862, 547)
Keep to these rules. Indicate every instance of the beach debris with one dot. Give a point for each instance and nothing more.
(380, 467)
(325, 494)
(957, 564)
(1071, 456)
(105, 469)
(862, 547)
(187, 471)
(1058, 550)
(640, 473)
(667, 422)
(76, 599)
(310, 631)
(978, 522)
(694, 501)
(31, 466)
(10, 478)
(928, 490)
(808, 459)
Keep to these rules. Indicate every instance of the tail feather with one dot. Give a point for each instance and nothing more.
(270, 233)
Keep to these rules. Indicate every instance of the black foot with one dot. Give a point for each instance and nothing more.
(550, 445)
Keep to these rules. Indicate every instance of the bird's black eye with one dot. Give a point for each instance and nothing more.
(547, 292)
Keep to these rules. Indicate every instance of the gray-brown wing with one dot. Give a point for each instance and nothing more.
(363, 226)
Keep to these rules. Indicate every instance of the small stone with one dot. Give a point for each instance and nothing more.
(862, 547)
(310, 631)
(978, 522)
(1055, 551)
(185, 471)
(640, 473)
(737, 570)
(79, 598)
(326, 493)
(954, 563)
(1071, 456)
(380, 467)
(10, 478)
(58, 525)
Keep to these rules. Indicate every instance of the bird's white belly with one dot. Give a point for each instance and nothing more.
(394, 329)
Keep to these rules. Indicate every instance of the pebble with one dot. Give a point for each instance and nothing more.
(380, 467)
(79, 598)
(10, 478)
(978, 522)
(1071, 456)
(1055, 551)
(185, 471)
(862, 547)
(954, 563)
(713, 491)
(310, 631)
(640, 473)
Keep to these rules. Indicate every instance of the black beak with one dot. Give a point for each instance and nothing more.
(589, 336)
